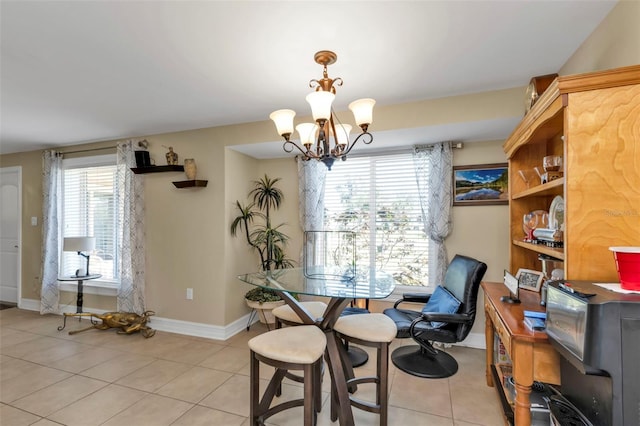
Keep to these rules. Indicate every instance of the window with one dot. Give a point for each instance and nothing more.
(89, 199)
(377, 197)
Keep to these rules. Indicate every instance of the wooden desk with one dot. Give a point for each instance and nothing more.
(532, 356)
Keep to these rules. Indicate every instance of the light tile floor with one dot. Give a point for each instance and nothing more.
(101, 378)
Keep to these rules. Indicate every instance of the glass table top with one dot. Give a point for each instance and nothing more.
(364, 284)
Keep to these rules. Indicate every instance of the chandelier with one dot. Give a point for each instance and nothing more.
(325, 127)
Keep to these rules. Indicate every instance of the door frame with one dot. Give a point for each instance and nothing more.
(18, 169)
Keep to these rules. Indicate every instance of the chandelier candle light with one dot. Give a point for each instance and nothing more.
(324, 126)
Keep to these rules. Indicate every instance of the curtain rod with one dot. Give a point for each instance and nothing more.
(89, 150)
(144, 144)
(400, 150)
(454, 145)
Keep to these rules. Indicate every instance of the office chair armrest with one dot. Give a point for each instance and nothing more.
(413, 298)
(441, 317)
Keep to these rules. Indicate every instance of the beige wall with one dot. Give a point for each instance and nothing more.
(481, 232)
(240, 171)
(614, 43)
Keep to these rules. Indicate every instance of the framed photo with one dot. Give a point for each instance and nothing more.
(529, 279)
(481, 185)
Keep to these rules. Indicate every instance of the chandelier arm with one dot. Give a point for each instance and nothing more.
(366, 137)
(306, 154)
(325, 84)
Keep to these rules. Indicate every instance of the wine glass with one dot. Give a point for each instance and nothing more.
(533, 220)
(540, 173)
(526, 175)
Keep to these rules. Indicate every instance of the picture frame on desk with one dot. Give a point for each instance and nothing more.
(528, 279)
(481, 185)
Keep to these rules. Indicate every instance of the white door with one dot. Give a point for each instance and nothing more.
(10, 227)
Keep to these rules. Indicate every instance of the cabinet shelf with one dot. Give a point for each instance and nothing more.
(190, 183)
(558, 253)
(157, 169)
(507, 408)
(550, 188)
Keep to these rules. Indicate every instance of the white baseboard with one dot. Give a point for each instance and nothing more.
(187, 328)
(215, 332)
(196, 329)
(474, 340)
(29, 304)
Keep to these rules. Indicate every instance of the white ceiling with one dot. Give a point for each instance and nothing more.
(82, 71)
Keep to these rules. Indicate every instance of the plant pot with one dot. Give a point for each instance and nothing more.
(264, 310)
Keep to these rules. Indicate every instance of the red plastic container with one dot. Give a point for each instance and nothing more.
(628, 265)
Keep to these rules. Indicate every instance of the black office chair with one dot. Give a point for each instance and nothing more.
(447, 319)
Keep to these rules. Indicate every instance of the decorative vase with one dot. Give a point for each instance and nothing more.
(190, 168)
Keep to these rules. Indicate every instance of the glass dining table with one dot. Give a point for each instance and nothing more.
(340, 288)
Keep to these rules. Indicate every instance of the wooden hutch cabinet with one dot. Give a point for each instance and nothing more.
(593, 122)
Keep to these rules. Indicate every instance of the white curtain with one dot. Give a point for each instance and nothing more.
(51, 175)
(311, 178)
(131, 232)
(435, 163)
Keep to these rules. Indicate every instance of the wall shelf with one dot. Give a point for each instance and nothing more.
(157, 169)
(191, 183)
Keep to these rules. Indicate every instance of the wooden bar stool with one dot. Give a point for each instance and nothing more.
(291, 348)
(376, 331)
(285, 315)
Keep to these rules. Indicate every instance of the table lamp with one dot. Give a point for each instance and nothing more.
(80, 245)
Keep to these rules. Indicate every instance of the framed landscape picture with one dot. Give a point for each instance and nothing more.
(481, 185)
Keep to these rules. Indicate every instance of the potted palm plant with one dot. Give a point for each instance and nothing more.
(254, 220)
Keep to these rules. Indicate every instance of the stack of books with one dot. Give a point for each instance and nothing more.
(535, 321)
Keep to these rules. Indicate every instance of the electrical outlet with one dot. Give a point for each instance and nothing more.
(189, 294)
(34, 221)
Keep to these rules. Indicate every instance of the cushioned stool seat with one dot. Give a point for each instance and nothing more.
(285, 314)
(377, 331)
(291, 348)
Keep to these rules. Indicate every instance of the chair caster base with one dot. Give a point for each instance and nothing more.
(413, 360)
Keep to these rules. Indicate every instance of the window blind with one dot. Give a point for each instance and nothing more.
(89, 209)
(377, 197)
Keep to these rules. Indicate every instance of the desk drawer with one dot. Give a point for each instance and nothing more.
(499, 326)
